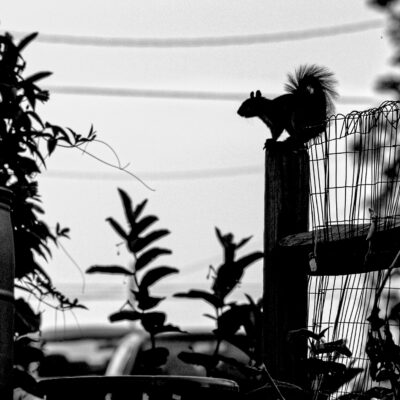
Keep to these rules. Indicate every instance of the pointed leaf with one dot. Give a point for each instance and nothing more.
(143, 224)
(148, 256)
(156, 274)
(127, 203)
(140, 243)
(38, 76)
(243, 242)
(332, 382)
(338, 346)
(117, 227)
(203, 295)
(306, 333)
(51, 145)
(123, 315)
(26, 40)
(167, 329)
(108, 269)
(245, 261)
(36, 117)
(148, 302)
(139, 209)
(219, 235)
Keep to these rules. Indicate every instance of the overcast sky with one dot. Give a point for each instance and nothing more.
(204, 162)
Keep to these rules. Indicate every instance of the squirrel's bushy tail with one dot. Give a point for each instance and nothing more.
(310, 80)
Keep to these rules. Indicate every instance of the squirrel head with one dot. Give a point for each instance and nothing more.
(253, 106)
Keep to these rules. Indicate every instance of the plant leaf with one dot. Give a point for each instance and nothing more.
(141, 242)
(201, 294)
(147, 257)
(139, 209)
(152, 321)
(329, 347)
(219, 235)
(117, 227)
(229, 275)
(168, 328)
(26, 40)
(144, 223)
(123, 315)
(127, 203)
(108, 269)
(38, 76)
(146, 302)
(51, 145)
(231, 320)
(243, 242)
(156, 274)
(245, 261)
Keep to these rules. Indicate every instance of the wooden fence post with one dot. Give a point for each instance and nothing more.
(285, 280)
(7, 264)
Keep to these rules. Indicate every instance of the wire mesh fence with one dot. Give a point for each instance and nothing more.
(354, 169)
(354, 195)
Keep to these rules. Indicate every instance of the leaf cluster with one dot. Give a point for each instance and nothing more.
(324, 366)
(21, 127)
(383, 353)
(230, 317)
(25, 143)
(140, 242)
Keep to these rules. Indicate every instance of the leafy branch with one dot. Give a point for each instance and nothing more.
(140, 243)
(230, 317)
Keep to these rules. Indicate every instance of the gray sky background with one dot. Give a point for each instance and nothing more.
(204, 162)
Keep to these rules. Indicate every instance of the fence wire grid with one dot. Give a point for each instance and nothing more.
(354, 179)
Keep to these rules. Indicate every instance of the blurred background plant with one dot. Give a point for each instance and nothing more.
(231, 318)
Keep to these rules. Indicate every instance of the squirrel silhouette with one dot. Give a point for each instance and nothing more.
(302, 111)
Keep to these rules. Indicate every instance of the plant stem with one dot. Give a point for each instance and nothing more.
(272, 382)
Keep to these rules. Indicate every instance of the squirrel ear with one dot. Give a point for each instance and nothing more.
(251, 95)
(258, 93)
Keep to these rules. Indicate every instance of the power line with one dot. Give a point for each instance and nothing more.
(158, 176)
(208, 41)
(177, 94)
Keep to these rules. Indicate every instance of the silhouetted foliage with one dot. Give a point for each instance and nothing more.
(26, 141)
(139, 243)
(230, 317)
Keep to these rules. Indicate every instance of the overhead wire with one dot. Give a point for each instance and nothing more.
(210, 173)
(174, 94)
(190, 95)
(208, 41)
(194, 42)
